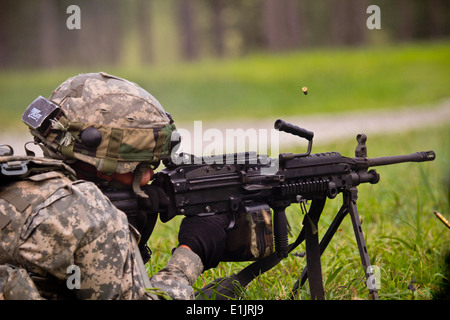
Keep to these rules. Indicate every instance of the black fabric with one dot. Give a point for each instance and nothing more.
(225, 288)
(206, 236)
(156, 200)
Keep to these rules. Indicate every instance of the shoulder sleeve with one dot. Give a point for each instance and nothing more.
(84, 229)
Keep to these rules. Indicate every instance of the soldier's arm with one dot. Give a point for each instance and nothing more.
(180, 273)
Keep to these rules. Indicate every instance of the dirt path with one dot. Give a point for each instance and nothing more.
(326, 128)
(330, 128)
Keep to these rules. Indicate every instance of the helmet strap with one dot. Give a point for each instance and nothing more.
(137, 178)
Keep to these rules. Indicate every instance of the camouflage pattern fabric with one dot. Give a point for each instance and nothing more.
(133, 125)
(178, 276)
(56, 223)
(251, 238)
(16, 284)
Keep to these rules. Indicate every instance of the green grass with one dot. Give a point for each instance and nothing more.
(404, 238)
(264, 85)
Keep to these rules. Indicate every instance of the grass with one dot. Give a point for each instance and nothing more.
(261, 85)
(404, 238)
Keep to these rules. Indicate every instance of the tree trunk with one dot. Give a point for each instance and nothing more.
(186, 17)
(47, 46)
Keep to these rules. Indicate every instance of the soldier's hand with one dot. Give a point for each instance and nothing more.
(206, 236)
(157, 200)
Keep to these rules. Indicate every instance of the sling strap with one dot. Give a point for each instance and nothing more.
(225, 288)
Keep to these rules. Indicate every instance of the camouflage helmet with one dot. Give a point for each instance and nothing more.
(106, 121)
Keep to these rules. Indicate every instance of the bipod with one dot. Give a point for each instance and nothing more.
(314, 249)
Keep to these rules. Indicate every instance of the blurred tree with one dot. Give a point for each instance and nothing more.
(48, 34)
(6, 23)
(405, 30)
(144, 30)
(218, 26)
(244, 26)
(421, 19)
(281, 24)
(187, 30)
(348, 22)
(438, 18)
(33, 33)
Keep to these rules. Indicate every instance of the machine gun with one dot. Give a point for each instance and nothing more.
(244, 182)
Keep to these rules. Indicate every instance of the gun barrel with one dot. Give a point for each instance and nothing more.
(413, 157)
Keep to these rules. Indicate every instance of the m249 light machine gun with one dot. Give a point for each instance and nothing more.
(244, 183)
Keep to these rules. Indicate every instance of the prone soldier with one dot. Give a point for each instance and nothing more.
(88, 202)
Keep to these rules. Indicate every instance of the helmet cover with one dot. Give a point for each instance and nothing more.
(108, 122)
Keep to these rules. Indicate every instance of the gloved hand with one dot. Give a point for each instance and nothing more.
(166, 206)
(225, 288)
(206, 236)
(157, 199)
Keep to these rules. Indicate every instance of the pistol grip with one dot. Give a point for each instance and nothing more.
(280, 232)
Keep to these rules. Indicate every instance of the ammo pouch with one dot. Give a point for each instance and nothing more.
(251, 237)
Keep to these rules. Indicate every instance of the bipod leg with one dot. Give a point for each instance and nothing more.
(350, 198)
(323, 245)
(311, 235)
(313, 257)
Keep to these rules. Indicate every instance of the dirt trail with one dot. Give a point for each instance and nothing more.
(330, 128)
(326, 128)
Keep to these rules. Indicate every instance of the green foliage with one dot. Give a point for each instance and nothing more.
(266, 85)
(338, 80)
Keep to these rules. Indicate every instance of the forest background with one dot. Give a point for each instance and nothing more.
(140, 32)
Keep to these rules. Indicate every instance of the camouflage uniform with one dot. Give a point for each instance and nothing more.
(49, 222)
(71, 223)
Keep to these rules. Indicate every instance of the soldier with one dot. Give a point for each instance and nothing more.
(110, 134)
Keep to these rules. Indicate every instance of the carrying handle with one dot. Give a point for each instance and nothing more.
(282, 125)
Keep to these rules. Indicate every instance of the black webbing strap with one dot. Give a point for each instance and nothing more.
(246, 275)
(313, 255)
